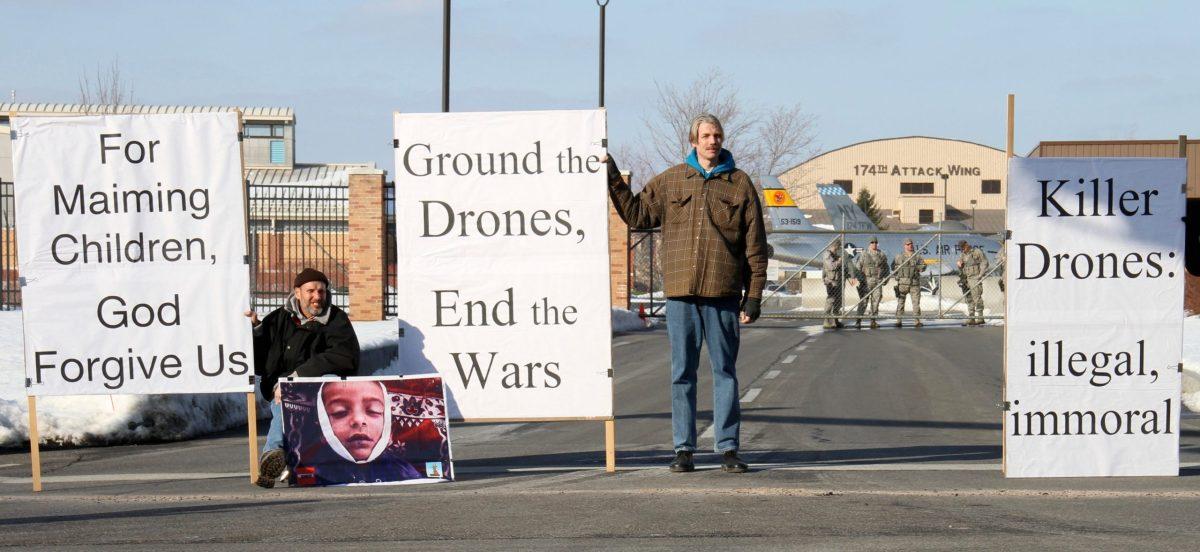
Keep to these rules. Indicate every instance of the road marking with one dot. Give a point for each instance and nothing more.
(801, 347)
(620, 343)
(789, 359)
(751, 395)
(772, 374)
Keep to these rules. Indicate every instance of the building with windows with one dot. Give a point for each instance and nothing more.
(915, 180)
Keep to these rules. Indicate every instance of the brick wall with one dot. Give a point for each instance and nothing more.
(366, 243)
(618, 257)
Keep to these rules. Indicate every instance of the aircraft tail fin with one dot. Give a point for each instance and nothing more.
(844, 214)
(780, 207)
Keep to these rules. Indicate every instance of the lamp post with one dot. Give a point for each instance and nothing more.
(945, 192)
(972, 215)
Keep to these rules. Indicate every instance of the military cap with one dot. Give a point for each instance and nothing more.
(874, 239)
(908, 241)
(962, 243)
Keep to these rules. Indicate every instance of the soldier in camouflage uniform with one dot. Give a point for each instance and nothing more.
(831, 275)
(907, 268)
(873, 272)
(973, 264)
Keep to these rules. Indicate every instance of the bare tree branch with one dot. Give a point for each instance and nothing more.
(763, 141)
(108, 91)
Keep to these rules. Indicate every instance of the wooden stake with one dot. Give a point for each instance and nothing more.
(610, 446)
(252, 424)
(1004, 352)
(35, 455)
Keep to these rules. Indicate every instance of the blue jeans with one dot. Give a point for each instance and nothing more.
(692, 321)
(275, 433)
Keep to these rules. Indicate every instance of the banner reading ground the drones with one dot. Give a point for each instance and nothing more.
(131, 245)
(1095, 316)
(502, 271)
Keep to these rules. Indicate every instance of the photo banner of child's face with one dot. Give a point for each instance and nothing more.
(366, 431)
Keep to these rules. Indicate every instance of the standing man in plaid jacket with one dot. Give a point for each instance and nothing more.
(715, 259)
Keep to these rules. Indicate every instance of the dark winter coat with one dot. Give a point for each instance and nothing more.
(284, 345)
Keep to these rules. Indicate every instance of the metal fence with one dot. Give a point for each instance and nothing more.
(797, 291)
(293, 227)
(10, 287)
(645, 283)
(389, 249)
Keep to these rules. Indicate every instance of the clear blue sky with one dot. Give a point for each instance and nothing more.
(1080, 69)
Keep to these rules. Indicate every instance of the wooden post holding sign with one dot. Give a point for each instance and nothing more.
(251, 406)
(1095, 325)
(134, 282)
(1008, 153)
(502, 242)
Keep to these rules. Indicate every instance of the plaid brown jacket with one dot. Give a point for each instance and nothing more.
(714, 242)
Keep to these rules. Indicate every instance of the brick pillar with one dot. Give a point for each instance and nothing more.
(618, 256)
(366, 239)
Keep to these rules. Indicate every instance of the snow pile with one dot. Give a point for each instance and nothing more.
(1191, 363)
(113, 419)
(629, 321)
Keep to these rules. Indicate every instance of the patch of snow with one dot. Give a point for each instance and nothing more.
(118, 419)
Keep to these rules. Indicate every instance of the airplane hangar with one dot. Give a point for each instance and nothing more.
(915, 180)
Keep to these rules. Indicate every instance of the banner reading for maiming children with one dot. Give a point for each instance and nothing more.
(131, 244)
(1095, 316)
(502, 266)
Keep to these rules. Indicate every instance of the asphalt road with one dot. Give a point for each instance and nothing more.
(883, 439)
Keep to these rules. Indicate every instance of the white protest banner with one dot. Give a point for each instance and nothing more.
(131, 244)
(502, 267)
(1095, 316)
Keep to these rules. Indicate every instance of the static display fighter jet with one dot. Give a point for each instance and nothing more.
(807, 249)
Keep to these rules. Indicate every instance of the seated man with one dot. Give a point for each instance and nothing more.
(306, 337)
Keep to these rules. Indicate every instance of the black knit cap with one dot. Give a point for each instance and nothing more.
(310, 275)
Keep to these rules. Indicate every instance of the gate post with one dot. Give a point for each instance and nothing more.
(367, 224)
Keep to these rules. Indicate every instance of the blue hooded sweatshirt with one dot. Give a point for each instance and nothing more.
(724, 164)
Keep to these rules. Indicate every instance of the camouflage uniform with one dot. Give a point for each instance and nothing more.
(873, 271)
(831, 275)
(907, 270)
(974, 265)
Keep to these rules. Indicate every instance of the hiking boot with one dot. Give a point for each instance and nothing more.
(730, 463)
(874, 325)
(858, 324)
(683, 462)
(838, 324)
(270, 467)
(918, 324)
(899, 324)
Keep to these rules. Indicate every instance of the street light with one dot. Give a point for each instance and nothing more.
(945, 184)
(972, 215)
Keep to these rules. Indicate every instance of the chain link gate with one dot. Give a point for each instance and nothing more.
(10, 282)
(798, 292)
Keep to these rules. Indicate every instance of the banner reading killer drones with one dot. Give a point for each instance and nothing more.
(1095, 316)
(131, 243)
(366, 430)
(502, 271)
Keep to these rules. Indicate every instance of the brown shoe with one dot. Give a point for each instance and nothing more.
(874, 325)
(918, 324)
